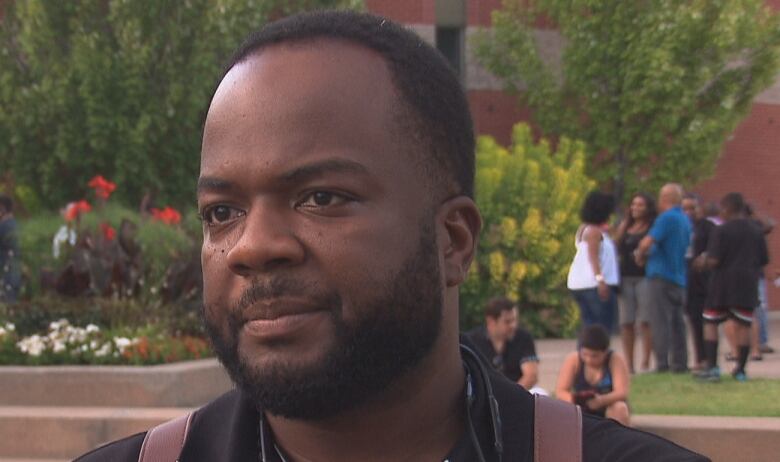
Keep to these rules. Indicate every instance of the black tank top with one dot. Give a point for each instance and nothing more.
(626, 247)
(605, 384)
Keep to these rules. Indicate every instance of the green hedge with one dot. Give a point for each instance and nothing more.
(529, 195)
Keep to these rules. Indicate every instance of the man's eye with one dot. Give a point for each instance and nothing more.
(322, 199)
(220, 214)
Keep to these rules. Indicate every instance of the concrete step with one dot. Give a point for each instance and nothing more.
(723, 439)
(65, 432)
(184, 384)
(55, 434)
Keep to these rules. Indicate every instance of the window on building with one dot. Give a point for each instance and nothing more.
(449, 41)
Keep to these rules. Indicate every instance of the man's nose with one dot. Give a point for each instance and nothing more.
(267, 242)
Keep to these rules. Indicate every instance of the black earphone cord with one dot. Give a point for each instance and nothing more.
(495, 416)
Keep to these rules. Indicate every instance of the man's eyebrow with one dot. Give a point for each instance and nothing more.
(320, 168)
(214, 184)
(303, 173)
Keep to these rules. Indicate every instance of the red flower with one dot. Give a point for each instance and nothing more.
(103, 188)
(74, 209)
(168, 215)
(108, 232)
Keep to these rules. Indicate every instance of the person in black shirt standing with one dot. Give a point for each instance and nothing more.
(698, 278)
(506, 346)
(735, 253)
(632, 229)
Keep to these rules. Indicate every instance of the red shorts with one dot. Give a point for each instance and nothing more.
(718, 315)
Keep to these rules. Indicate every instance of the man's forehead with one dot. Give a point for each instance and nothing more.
(315, 82)
(322, 65)
(292, 104)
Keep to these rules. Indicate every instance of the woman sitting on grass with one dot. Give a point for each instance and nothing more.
(595, 377)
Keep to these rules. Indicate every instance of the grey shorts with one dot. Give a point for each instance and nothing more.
(632, 289)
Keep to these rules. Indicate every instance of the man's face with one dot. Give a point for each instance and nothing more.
(504, 327)
(320, 265)
(689, 206)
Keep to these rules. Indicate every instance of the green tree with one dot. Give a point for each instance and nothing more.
(116, 87)
(529, 198)
(653, 87)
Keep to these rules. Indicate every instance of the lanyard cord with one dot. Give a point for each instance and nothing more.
(265, 452)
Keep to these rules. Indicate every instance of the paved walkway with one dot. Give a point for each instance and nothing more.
(552, 352)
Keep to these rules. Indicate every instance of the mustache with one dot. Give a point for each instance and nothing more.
(280, 287)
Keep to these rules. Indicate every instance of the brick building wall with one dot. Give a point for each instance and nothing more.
(749, 162)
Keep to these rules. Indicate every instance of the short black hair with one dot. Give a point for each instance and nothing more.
(594, 337)
(497, 305)
(733, 202)
(6, 203)
(428, 87)
(597, 208)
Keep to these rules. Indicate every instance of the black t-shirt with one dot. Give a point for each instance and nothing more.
(228, 429)
(517, 351)
(702, 231)
(626, 247)
(740, 248)
(699, 280)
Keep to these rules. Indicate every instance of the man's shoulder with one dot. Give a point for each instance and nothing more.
(476, 332)
(124, 450)
(521, 342)
(607, 440)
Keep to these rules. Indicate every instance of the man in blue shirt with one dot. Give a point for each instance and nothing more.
(663, 251)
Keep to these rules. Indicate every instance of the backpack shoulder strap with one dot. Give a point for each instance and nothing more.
(557, 430)
(164, 442)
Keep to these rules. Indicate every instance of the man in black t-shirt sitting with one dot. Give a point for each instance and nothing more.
(509, 348)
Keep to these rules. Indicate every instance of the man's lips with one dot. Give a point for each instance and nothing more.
(272, 319)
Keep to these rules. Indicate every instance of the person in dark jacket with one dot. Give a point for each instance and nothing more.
(336, 190)
(698, 278)
(735, 254)
(10, 257)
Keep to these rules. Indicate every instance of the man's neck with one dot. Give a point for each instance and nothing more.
(419, 417)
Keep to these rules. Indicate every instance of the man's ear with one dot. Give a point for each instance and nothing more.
(459, 224)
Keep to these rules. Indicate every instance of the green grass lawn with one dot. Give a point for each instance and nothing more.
(681, 394)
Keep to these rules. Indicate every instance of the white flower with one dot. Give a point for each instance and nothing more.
(77, 335)
(122, 343)
(64, 234)
(58, 347)
(94, 345)
(33, 345)
(2, 331)
(92, 328)
(10, 326)
(57, 325)
(104, 350)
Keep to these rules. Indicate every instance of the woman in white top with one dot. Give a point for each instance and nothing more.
(594, 275)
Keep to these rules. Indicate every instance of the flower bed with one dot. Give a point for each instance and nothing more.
(64, 343)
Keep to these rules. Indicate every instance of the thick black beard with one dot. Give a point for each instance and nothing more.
(398, 328)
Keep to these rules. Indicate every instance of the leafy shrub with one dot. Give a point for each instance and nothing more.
(31, 316)
(529, 197)
(63, 343)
